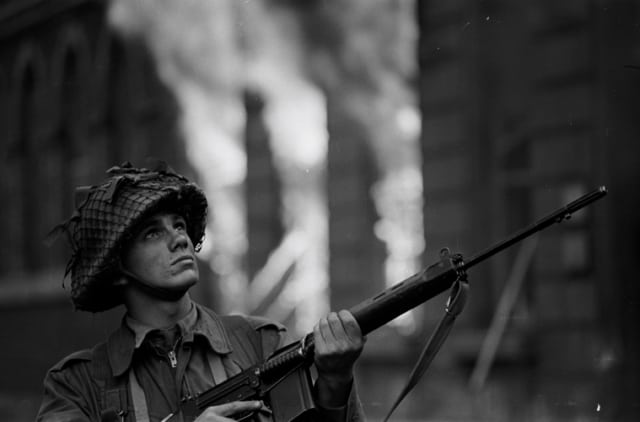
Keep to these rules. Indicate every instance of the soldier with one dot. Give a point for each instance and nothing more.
(134, 240)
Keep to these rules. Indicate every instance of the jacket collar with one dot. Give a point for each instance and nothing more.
(123, 342)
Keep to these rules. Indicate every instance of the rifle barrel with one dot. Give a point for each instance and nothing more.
(557, 216)
(420, 287)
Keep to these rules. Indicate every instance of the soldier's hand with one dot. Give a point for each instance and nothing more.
(338, 343)
(226, 412)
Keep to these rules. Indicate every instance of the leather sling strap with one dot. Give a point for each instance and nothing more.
(455, 304)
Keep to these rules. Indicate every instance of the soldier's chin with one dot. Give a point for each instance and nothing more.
(186, 284)
(176, 292)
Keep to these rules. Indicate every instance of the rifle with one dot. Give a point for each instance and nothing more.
(283, 380)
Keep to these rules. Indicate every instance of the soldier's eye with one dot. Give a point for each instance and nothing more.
(152, 233)
(180, 224)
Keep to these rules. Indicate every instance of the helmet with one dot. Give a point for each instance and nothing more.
(107, 218)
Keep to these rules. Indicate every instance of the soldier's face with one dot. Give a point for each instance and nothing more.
(162, 254)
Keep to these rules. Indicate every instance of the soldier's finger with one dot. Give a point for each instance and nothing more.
(235, 408)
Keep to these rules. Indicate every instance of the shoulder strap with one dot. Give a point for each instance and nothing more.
(113, 394)
(455, 304)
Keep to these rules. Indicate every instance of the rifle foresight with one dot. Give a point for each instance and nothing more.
(557, 216)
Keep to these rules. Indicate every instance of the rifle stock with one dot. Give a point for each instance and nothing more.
(258, 381)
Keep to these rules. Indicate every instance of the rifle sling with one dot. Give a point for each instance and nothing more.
(454, 306)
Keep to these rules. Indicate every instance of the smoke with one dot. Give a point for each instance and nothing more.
(364, 51)
(208, 52)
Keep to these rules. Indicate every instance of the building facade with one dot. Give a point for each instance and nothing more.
(74, 100)
(525, 107)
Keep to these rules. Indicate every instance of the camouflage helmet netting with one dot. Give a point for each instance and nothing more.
(107, 218)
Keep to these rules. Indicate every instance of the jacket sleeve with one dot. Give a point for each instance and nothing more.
(351, 412)
(67, 391)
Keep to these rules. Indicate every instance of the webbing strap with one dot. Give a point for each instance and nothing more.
(217, 368)
(113, 390)
(455, 304)
(139, 401)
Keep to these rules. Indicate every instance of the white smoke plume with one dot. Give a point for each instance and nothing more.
(209, 51)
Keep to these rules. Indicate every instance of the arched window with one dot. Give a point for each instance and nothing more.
(4, 109)
(70, 158)
(20, 168)
(68, 136)
(118, 107)
(7, 179)
(24, 196)
(73, 148)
